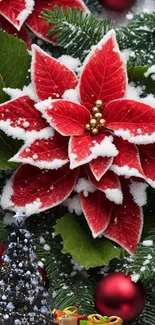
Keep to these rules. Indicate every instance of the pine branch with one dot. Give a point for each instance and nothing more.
(139, 32)
(147, 316)
(78, 32)
(142, 264)
(75, 31)
(68, 286)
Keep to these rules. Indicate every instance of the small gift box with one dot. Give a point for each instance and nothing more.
(65, 316)
(68, 320)
(98, 319)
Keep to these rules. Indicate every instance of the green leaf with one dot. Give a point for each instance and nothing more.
(8, 147)
(85, 250)
(136, 74)
(14, 63)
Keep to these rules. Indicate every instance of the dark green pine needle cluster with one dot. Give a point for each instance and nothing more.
(78, 32)
(23, 299)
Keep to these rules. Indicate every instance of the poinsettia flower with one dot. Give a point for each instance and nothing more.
(105, 135)
(19, 11)
(109, 153)
(35, 190)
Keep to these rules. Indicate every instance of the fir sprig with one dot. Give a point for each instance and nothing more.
(68, 287)
(139, 32)
(76, 32)
(142, 264)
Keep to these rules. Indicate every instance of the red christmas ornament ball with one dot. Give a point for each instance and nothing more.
(117, 295)
(117, 4)
(2, 250)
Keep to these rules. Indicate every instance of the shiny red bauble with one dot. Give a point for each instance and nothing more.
(117, 4)
(2, 250)
(117, 295)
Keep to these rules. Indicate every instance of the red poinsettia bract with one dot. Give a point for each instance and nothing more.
(109, 135)
(17, 12)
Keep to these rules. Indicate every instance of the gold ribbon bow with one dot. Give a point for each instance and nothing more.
(69, 311)
(98, 319)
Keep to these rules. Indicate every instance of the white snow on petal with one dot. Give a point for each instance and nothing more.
(29, 136)
(27, 90)
(137, 139)
(85, 186)
(28, 209)
(138, 191)
(125, 171)
(41, 106)
(74, 205)
(23, 15)
(70, 62)
(34, 161)
(114, 195)
(72, 95)
(147, 242)
(150, 182)
(104, 149)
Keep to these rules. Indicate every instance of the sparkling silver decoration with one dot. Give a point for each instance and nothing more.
(19, 216)
(17, 322)
(44, 309)
(6, 316)
(10, 306)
